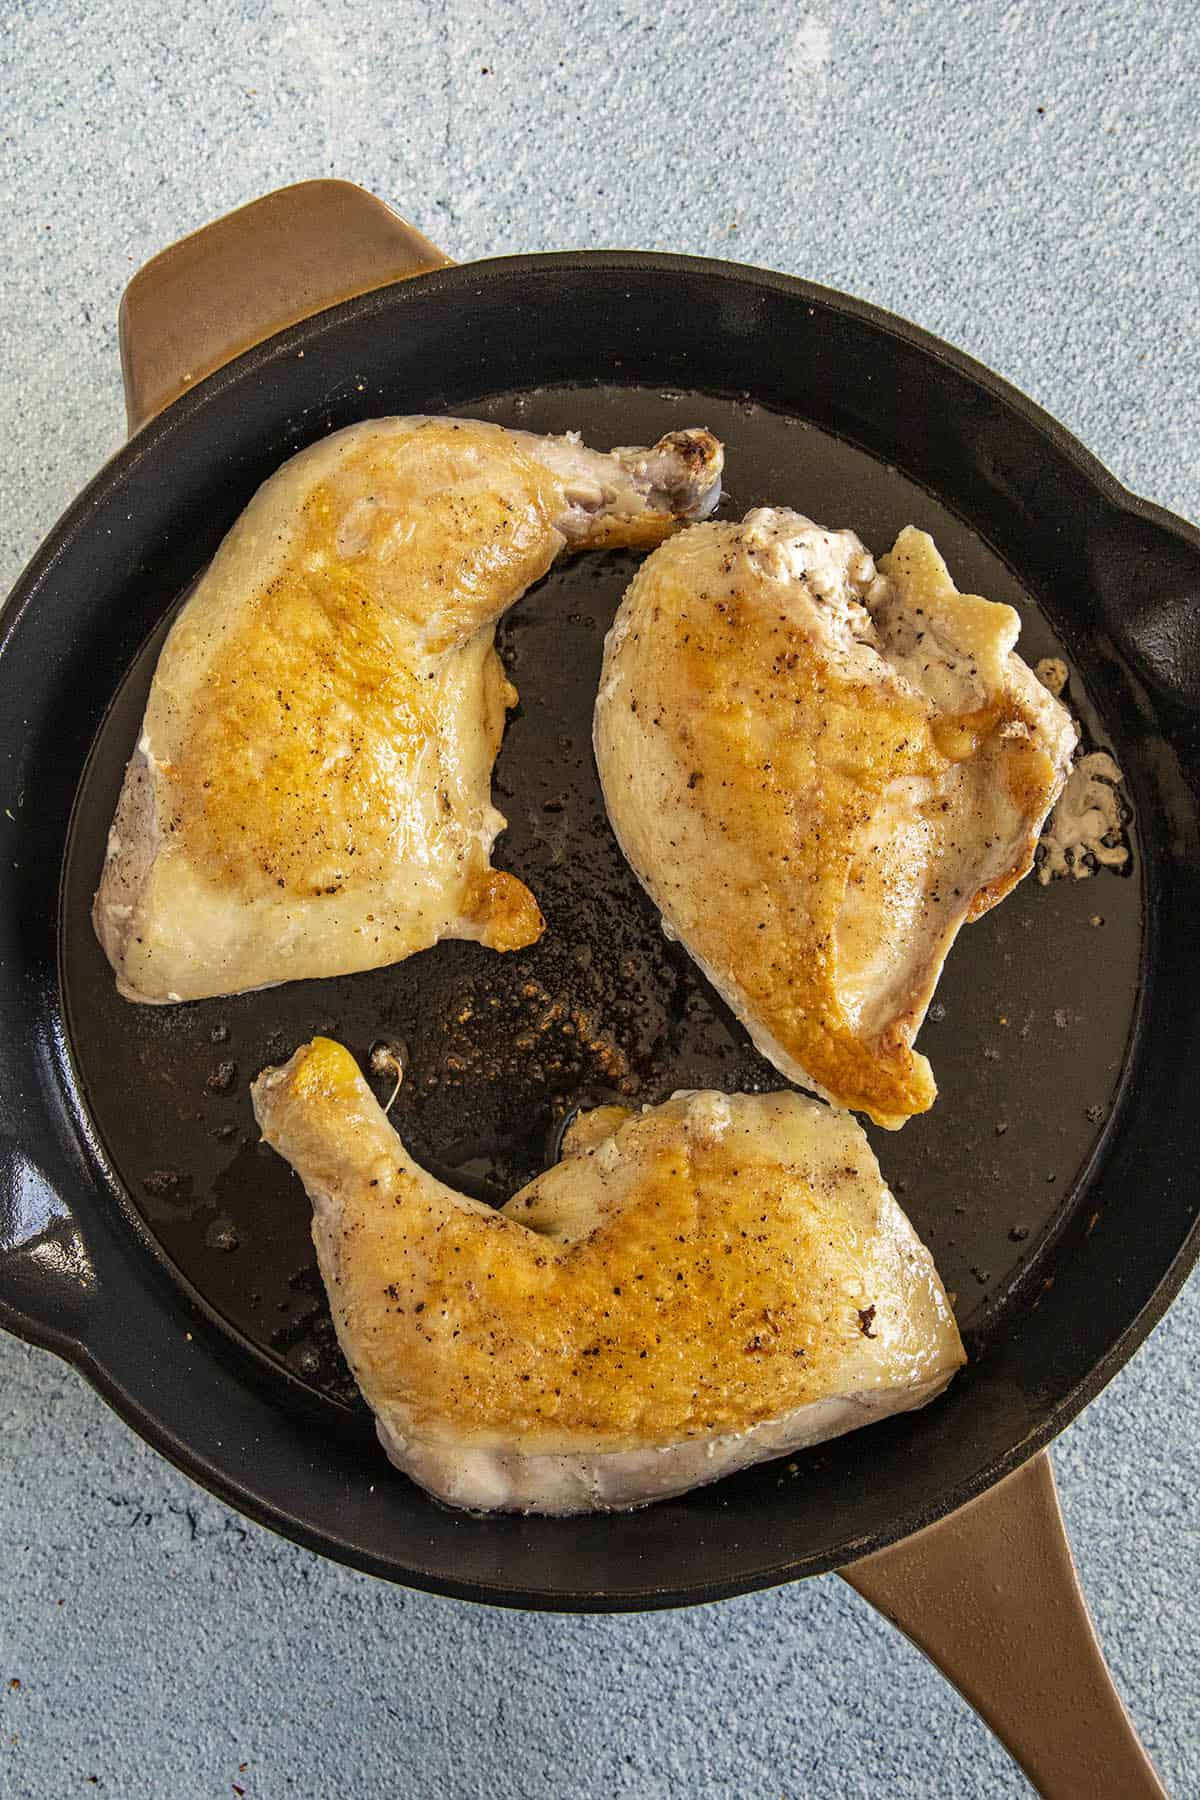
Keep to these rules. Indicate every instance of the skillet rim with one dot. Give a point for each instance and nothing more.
(457, 281)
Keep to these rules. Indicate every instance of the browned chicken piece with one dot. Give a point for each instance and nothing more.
(819, 770)
(310, 792)
(694, 1288)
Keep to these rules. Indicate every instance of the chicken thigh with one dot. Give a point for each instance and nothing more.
(711, 1282)
(310, 792)
(819, 770)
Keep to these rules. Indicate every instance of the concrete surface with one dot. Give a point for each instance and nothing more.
(1021, 179)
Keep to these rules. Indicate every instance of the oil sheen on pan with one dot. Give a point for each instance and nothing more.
(1028, 1029)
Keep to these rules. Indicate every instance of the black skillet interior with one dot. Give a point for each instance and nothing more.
(1027, 1041)
(1058, 1125)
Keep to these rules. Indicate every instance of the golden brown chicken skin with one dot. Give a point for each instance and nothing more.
(310, 792)
(819, 770)
(718, 1279)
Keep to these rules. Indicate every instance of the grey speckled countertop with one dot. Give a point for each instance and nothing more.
(1020, 178)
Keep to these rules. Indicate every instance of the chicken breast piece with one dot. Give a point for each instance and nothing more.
(818, 771)
(310, 792)
(712, 1282)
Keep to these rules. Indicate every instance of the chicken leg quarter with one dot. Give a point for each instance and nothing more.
(714, 1281)
(310, 792)
(818, 771)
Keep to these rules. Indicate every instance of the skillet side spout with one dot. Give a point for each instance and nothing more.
(992, 1597)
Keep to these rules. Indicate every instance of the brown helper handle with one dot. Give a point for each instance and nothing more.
(235, 282)
(992, 1597)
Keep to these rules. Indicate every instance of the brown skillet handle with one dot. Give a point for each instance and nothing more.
(992, 1597)
(235, 282)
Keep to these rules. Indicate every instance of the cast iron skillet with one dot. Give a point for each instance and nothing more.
(149, 1238)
